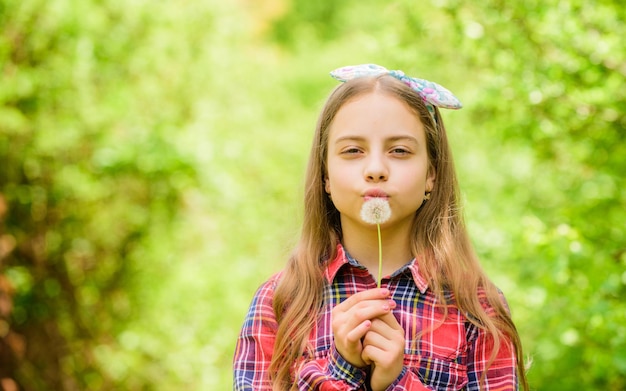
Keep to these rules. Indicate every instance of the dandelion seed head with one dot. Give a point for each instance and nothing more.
(375, 211)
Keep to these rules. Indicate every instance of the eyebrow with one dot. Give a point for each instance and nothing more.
(389, 139)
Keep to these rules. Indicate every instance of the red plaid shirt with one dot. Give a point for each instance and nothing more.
(452, 357)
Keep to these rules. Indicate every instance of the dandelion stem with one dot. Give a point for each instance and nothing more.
(380, 256)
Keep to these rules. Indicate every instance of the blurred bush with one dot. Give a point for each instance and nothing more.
(89, 175)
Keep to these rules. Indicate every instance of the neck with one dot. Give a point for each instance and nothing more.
(362, 244)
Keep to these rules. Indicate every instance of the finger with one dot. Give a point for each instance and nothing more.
(381, 356)
(359, 332)
(374, 338)
(382, 334)
(371, 353)
(350, 345)
(371, 309)
(389, 320)
(370, 294)
(380, 349)
(365, 310)
(379, 333)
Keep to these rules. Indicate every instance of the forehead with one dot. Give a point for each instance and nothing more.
(376, 113)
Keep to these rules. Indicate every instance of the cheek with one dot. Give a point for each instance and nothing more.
(417, 182)
(337, 174)
(334, 184)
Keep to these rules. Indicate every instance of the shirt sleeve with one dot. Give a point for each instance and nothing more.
(501, 375)
(255, 345)
(332, 373)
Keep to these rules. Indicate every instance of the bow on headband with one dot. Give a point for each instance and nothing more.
(432, 93)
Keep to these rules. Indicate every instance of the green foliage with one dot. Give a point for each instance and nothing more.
(555, 120)
(152, 153)
(87, 185)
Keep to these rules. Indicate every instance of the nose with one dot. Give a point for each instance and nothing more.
(376, 169)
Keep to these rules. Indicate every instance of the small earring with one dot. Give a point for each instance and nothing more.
(427, 196)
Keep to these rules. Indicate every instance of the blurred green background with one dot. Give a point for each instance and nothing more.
(152, 157)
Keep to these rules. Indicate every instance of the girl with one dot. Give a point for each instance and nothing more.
(437, 322)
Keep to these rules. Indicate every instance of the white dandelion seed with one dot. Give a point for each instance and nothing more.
(376, 210)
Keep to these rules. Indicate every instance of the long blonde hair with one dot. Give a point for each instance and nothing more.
(448, 260)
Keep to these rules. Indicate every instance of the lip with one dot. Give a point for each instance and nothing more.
(375, 193)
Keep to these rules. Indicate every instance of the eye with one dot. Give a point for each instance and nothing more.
(400, 151)
(350, 151)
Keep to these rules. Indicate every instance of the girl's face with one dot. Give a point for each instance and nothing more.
(377, 148)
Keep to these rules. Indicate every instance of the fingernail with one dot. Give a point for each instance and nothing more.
(392, 304)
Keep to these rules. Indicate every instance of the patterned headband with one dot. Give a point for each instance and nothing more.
(432, 93)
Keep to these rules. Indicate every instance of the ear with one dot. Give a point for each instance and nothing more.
(430, 180)
(327, 185)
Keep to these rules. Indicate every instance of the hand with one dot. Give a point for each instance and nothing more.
(383, 347)
(353, 318)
